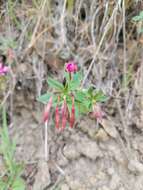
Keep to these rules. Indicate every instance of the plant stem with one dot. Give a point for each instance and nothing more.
(46, 141)
(70, 76)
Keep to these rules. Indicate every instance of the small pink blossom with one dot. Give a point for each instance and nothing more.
(71, 67)
(3, 69)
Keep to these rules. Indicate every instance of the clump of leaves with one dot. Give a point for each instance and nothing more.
(10, 178)
(70, 97)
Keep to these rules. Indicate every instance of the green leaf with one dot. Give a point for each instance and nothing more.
(138, 17)
(3, 185)
(55, 84)
(18, 184)
(80, 96)
(77, 77)
(75, 83)
(81, 108)
(19, 168)
(90, 91)
(100, 97)
(45, 98)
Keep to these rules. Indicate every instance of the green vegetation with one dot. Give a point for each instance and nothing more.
(11, 175)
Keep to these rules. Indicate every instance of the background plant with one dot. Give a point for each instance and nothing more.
(11, 175)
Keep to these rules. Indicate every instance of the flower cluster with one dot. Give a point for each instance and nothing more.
(62, 113)
(3, 69)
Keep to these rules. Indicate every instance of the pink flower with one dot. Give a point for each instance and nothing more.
(71, 67)
(3, 69)
(47, 111)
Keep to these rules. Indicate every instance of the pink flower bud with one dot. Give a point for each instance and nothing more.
(47, 111)
(57, 117)
(64, 114)
(72, 117)
(71, 67)
(97, 112)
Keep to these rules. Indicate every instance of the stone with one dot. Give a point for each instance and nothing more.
(109, 127)
(70, 151)
(89, 148)
(101, 135)
(135, 166)
(90, 127)
(92, 180)
(115, 182)
(74, 184)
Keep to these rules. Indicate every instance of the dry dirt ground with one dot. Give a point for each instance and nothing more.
(89, 157)
(92, 156)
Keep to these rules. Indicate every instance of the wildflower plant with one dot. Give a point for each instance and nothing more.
(70, 99)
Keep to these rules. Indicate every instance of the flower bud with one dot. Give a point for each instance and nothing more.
(64, 114)
(47, 111)
(97, 112)
(57, 117)
(72, 117)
